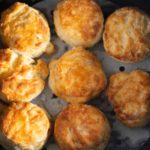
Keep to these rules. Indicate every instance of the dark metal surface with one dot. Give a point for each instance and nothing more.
(6, 3)
(142, 4)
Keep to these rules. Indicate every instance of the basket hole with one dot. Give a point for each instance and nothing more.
(122, 68)
(54, 96)
(52, 12)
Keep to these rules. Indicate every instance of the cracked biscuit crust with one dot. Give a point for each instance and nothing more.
(77, 76)
(79, 23)
(20, 78)
(129, 94)
(127, 35)
(81, 127)
(24, 30)
(25, 126)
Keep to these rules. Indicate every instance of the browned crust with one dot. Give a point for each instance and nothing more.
(126, 35)
(24, 29)
(80, 127)
(82, 21)
(77, 76)
(129, 94)
(20, 79)
(26, 125)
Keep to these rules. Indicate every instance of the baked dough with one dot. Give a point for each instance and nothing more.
(129, 94)
(127, 35)
(79, 23)
(25, 30)
(21, 78)
(77, 76)
(81, 127)
(24, 126)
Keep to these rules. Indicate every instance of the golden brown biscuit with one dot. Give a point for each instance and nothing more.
(9, 61)
(79, 23)
(24, 126)
(129, 94)
(127, 35)
(25, 30)
(81, 127)
(77, 76)
(20, 79)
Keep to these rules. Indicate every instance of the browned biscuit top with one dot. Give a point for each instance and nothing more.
(127, 35)
(81, 127)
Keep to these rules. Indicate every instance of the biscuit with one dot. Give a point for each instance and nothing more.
(21, 78)
(77, 76)
(79, 23)
(81, 127)
(129, 94)
(24, 126)
(127, 35)
(25, 30)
